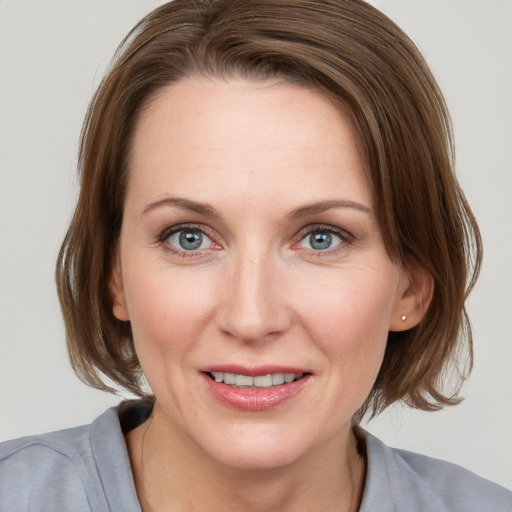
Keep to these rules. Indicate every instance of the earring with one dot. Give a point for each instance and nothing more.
(403, 318)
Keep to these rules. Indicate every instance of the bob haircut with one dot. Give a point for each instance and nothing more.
(363, 62)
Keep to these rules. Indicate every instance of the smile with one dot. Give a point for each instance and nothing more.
(265, 389)
(258, 381)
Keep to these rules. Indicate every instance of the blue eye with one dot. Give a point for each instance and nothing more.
(321, 240)
(189, 240)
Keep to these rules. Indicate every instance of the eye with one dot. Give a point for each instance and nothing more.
(189, 240)
(321, 240)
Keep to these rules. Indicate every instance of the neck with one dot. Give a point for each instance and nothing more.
(167, 466)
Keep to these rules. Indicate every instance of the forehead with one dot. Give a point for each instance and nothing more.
(204, 136)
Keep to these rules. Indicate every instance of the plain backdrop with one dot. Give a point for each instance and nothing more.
(52, 56)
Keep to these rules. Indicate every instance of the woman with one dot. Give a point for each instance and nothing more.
(270, 232)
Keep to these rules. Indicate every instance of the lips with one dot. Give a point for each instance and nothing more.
(254, 389)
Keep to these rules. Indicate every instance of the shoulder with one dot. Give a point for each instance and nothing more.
(59, 470)
(456, 487)
(414, 481)
(80, 469)
(456, 484)
(49, 468)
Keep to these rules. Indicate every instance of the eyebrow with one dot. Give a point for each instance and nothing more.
(298, 213)
(322, 206)
(201, 208)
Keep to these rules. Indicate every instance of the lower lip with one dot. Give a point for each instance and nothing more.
(255, 399)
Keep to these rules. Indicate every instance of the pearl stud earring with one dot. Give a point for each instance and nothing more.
(403, 318)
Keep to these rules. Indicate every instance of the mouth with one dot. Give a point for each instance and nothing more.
(264, 389)
(269, 380)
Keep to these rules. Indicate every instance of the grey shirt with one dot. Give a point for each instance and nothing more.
(87, 469)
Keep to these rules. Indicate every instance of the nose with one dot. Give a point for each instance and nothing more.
(254, 308)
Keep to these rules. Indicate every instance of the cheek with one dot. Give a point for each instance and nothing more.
(349, 318)
(350, 301)
(168, 311)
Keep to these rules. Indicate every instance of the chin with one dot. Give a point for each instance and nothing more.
(257, 448)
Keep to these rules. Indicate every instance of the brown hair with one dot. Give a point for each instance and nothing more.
(358, 57)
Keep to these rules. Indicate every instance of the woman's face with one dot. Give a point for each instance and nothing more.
(250, 253)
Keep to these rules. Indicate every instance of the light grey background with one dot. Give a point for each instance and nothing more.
(53, 54)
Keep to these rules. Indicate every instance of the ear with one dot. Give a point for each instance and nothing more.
(414, 296)
(116, 288)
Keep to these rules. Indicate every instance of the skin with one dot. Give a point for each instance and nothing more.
(255, 293)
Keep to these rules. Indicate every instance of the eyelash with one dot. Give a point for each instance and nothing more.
(168, 232)
(345, 237)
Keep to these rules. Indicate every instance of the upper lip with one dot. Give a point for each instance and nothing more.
(253, 371)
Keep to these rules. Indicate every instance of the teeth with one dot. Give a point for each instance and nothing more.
(265, 381)
(260, 381)
(229, 378)
(278, 379)
(244, 380)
